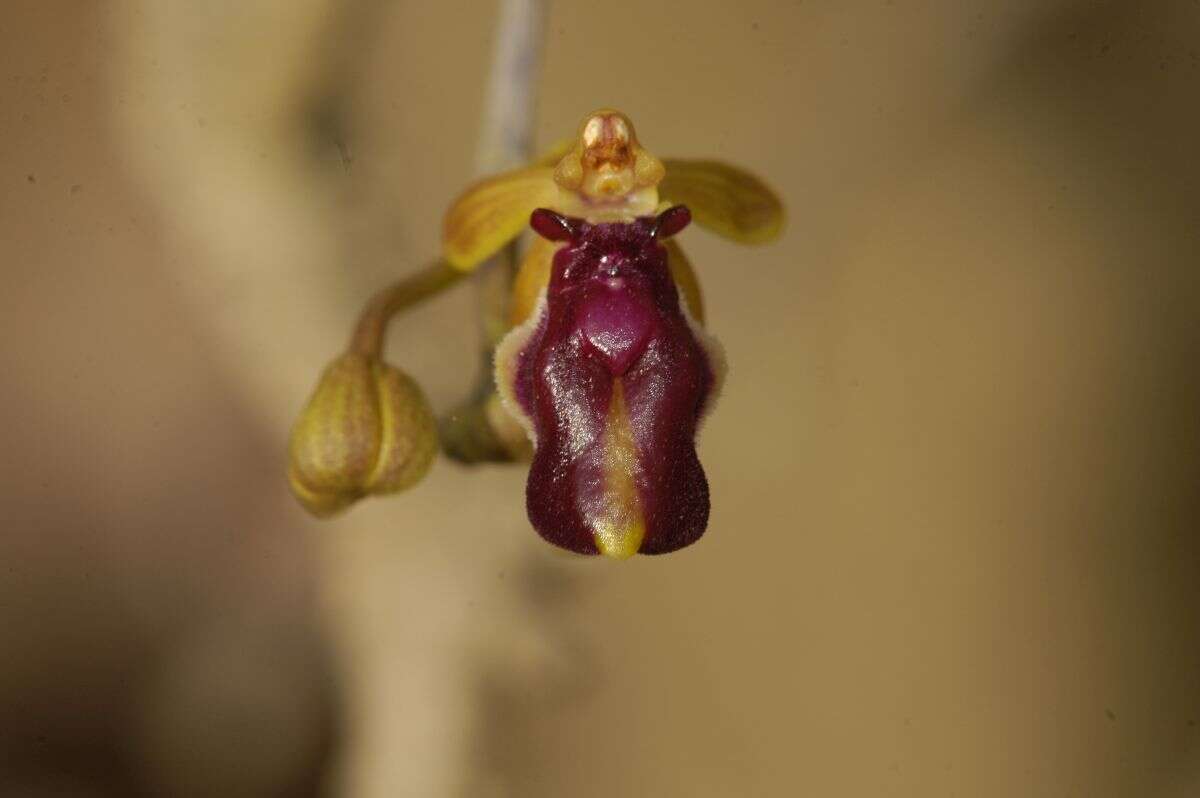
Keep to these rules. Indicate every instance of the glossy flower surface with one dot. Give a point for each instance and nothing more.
(611, 377)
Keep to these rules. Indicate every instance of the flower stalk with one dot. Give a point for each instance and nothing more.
(368, 338)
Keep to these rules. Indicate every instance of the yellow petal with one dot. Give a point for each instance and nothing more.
(724, 198)
(532, 277)
(493, 212)
(685, 279)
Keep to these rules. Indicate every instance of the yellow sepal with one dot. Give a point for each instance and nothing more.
(725, 199)
(493, 212)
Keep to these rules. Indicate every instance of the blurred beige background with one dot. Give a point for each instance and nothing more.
(953, 548)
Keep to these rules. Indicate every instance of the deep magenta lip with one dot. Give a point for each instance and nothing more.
(612, 313)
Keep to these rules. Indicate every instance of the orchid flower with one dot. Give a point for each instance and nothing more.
(606, 371)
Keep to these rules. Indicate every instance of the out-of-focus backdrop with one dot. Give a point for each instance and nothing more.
(953, 548)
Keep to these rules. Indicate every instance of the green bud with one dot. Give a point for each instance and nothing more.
(367, 429)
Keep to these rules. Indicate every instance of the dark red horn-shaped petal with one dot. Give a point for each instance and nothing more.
(551, 225)
(671, 221)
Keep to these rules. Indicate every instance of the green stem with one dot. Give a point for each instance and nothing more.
(412, 290)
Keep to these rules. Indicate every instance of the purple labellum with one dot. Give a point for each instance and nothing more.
(611, 377)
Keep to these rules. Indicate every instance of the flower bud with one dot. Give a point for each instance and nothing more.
(367, 429)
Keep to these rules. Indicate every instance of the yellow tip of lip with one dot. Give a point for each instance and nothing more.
(619, 527)
(620, 543)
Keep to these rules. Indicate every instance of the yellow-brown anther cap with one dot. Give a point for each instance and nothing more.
(367, 429)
